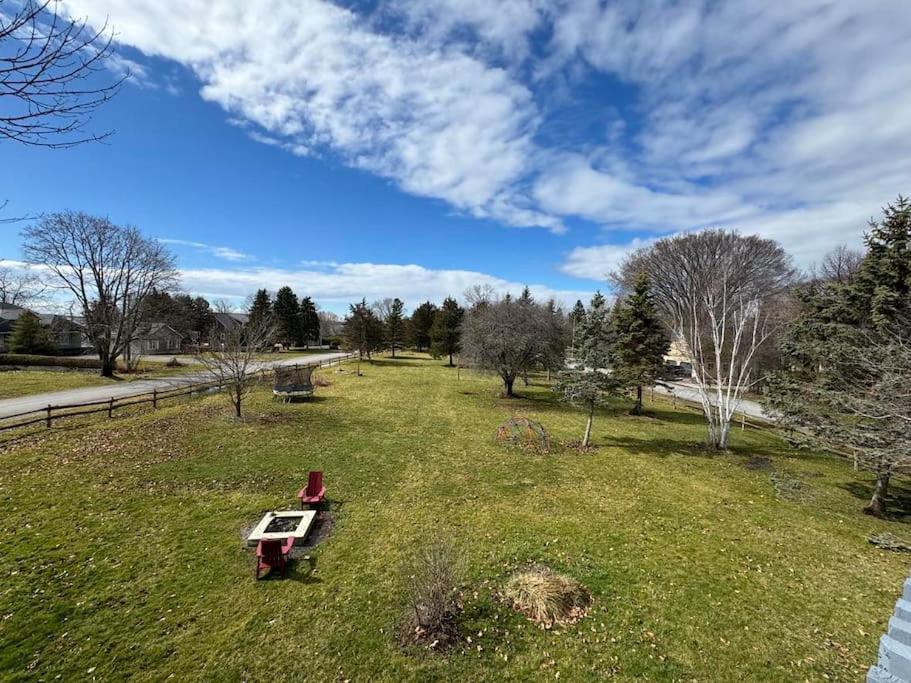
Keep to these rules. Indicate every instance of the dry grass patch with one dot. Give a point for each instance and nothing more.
(546, 597)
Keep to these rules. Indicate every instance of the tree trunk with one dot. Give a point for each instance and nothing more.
(107, 365)
(451, 364)
(588, 426)
(877, 506)
(507, 387)
(393, 350)
(237, 402)
(637, 408)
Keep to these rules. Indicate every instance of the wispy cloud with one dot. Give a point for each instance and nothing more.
(226, 253)
(764, 116)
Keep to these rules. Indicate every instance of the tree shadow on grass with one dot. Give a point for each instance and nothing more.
(663, 447)
(400, 362)
(898, 502)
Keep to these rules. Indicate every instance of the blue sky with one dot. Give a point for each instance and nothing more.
(414, 148)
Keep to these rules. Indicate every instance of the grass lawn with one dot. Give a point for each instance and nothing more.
(25, 382)
(121, 550)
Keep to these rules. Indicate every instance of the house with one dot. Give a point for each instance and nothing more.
(678, 356)
(154, 338)
(229, 322)
(66, 333)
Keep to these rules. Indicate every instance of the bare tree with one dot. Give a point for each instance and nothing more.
(716, 291)
(109, 269)
(509, 337)
(234, 365)
(839, 265)
(20, 286)
(49, 75)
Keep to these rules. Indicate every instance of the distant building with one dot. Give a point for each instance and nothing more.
(155, 338)
(228, 322)
(66, 333)
(678, 355)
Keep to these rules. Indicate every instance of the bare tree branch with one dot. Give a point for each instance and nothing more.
(50, 75)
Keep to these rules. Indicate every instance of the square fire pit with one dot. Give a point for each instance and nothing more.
(282, 524)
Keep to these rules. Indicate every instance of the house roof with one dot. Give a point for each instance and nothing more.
(11, 311)
(231, 321)
(156, 331)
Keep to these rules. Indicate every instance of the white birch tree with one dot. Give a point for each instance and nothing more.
(717, 291)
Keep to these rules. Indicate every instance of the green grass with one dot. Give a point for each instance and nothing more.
(23, 382)
(15, 383)
(121, 542)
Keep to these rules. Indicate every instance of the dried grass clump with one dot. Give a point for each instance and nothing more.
(431, 587)
(321, 381)
(546, 597)
(525, 433)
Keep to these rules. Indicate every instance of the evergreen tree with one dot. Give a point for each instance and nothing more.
(589, 382)
(286, 309)
(640, 340)
(526, 297)
(30, 336)
(881, 291)
(261, 308)
(395, 325)
(847, 360)
(447, 329)
(309, 320)
(576, 317)
(362, 330)
(421, 323)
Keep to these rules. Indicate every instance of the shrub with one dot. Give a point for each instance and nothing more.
(546, 597)
(22, 359)
(432, 595)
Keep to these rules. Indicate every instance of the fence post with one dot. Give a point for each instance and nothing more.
(48, 418)
(154, 398)
(743, 421)
(111, 407)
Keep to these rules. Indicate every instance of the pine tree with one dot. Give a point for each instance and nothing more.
(576, 317)
(309, 320)
(588, 382)
(395, 325)
(640, 340)
(286, 309)
(847, 360)
(30, 336)
(261, 308)
(421, 323)
(882, 288)
(447, 329)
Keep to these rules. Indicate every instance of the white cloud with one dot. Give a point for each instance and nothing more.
(226, 253)
(787, 118)
(334, 286)
(597, 263)
(311, 74)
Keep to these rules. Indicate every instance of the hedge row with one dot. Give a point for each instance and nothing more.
(25, 359)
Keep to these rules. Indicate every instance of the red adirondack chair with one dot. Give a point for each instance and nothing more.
(315, 491)
(273, 554)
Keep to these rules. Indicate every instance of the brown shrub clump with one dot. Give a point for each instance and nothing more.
(432, 597)
(546, 597)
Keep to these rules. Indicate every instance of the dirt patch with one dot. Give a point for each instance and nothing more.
(758, 462)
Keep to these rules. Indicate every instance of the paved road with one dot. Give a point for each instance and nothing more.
(21, 404)
(688, 392)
